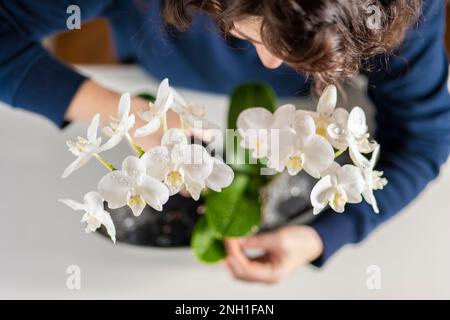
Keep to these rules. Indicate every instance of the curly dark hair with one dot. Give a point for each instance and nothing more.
(328, 40)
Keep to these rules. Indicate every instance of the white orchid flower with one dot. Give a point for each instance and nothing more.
(256, 125)
(157, 110)
(350, 130)
(326, 108)
(373, 179)
(95, 215)
(131, 186)
(85, 148)
(341, 186)
(193, 116)
(300, 148)
(221, 176)
(180, 164)
(120, 125)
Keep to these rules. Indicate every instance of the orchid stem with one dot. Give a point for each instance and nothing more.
(138, 149)
(182, 123)
(340, 152)
(164, 123)
(108, 165)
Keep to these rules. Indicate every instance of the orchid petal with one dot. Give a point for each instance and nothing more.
(94, 202)
(254, 118)
(337, 200)
(106, 220)
(327, 101)
(174, 136)
(195, 122)
(369, 197)
(79, 162)
(304, 126)
(332, 170)
(357, 158)
(115, 188)
(157, 162)
(151, 127)
(193, 187)
(124, 106)
(154, 192)
(118, 135)
(137, 204)
(375, 156)
(164, 98)
(93, 222)
(174, 181)
(162, 109)
(319, 155)
(295, 164)
(93, 127)
(340, 117)
(357, 122)
(221, 176)
(320, 194)
(108, 131)
(256, 140)
(197, 163)
(351, 181)
(312, 114)
(133, 167)
(283, 116)
(282, 149)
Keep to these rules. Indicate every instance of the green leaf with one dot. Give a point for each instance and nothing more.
(206, 247)
(249, 95)
(236, 211)
(147, 96)
(238, 158)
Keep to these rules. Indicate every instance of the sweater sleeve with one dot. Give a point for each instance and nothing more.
(411, 96)
(30, 77)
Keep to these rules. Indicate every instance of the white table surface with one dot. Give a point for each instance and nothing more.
(40, 238)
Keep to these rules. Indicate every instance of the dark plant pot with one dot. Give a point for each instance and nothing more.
(170, 228)
(286, 200)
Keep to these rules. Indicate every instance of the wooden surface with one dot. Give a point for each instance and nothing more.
(92, 44)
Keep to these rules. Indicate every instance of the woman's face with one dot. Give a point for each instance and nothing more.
(249, 29)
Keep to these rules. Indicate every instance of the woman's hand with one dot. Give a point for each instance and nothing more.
(284, 250)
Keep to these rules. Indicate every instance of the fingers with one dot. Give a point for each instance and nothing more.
(259, 241)
(242, 268)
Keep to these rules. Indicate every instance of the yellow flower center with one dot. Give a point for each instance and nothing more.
(295, 163)
(322, 125)
(81, 144)
(174, 180)
(338, 200)
(135, 201)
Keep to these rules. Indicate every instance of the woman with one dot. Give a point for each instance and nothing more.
(300, 43)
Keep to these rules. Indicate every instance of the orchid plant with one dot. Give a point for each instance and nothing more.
(310, 141)
(263, 137)
(148, 177)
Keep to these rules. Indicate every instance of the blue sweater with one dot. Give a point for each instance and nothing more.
(408, 89)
